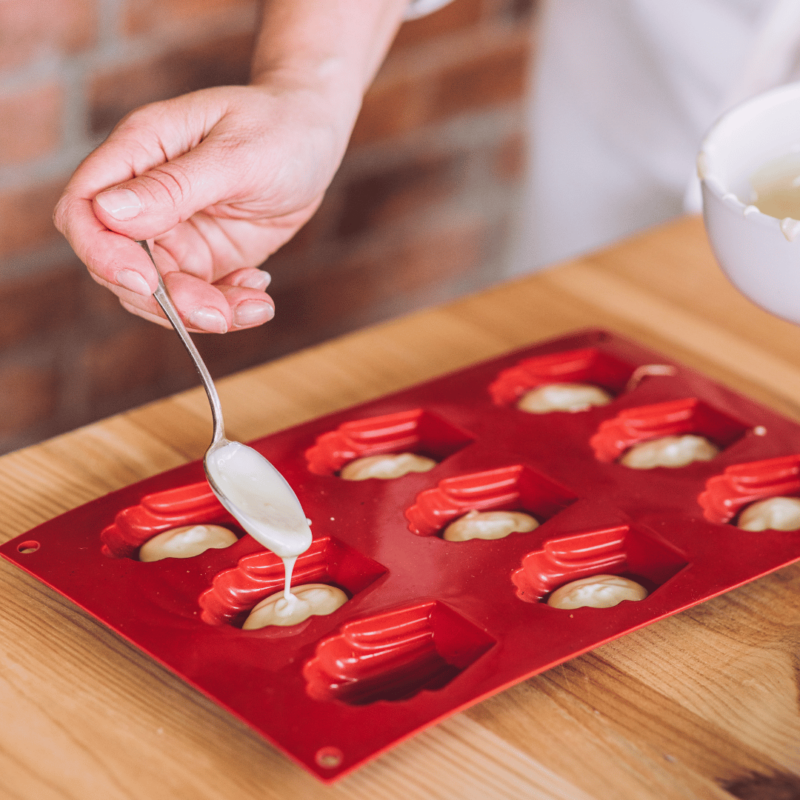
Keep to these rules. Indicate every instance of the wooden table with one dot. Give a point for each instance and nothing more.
(689, 707)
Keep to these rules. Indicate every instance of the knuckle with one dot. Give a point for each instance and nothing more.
(167, 184)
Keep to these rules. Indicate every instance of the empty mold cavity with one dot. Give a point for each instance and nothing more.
(234, 592)
(689, 415)
(621, 550)
(415, 431)
(514, 488)
(395, 655)
(586, 366)
(156, 513)
(740, 485)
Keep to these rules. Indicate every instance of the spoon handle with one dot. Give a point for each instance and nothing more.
(163, 299)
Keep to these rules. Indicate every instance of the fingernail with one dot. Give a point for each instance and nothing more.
(133, 282)
(122, 204)
(258, 280)
(208, 319)
(252, 312)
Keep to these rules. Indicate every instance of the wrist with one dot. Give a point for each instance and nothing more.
(323, 92)
(333, 48)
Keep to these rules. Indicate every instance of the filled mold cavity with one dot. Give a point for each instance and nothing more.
(672, 434)
(757, 496)
(571, 381)
(622, 550)
(235, 592)
(395, 655)
(176, 523)
(386, 447)
(516, 488)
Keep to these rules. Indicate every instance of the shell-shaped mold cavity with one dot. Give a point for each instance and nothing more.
(234, 592)
(193, 504)
(619, 550)
(394, 655)
(740, 485)
(673, 418)
(587, 365)
(513, 488)
(416, 431)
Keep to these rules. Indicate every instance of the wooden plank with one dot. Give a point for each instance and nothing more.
(681, 709)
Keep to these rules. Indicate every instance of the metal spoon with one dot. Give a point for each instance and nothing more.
(245, 482)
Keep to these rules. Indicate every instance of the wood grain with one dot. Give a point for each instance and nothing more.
(702, 705)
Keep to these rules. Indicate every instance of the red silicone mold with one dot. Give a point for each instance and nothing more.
(514, 488)
(742, 484)
(587, 365)
(621, 550)
(688, 415)
(160, 512)
(234, 592)
(415, 431)
(430, 626)
(394, 656)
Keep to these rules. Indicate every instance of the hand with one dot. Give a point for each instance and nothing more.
(218, 180)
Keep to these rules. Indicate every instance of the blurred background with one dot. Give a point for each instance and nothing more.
(421, 211)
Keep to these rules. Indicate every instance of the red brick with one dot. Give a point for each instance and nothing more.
(38, 304)
(237, 350)
(456, 16)
(31, 124)
(314, 231)
(354, 289)
(494, 78)
(513, 11)
(219, 62)
(125, 361)
(29, 395)
(390, 109)
(32, 27)
(509, 162)
(26, 217)
(151, 16)
(393, 193)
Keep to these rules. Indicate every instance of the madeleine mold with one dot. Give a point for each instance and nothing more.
(431, 626)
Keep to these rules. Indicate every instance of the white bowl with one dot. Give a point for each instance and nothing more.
(760, 254)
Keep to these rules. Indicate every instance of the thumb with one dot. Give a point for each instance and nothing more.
(156, 201)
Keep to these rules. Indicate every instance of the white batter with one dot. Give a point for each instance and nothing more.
(772, 514)
(311, 599)
(669, 451)
(386, 466)
(597, 591)
(186, 542)
(570, 397)
(776, 187)
(488, 525)
(262, 502)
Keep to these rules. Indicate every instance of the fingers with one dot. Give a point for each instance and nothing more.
(206, 308)
(258, 279)
(114, 261)
(166, 195)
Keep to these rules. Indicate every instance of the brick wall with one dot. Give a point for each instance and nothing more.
(419, 212)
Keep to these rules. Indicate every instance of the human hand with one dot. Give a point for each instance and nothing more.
(218, 180)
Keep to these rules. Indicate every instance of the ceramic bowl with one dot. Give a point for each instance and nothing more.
(759, 253)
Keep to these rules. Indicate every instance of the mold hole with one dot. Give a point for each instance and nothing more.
(622, 551)
(395, 655)
(418, 438)
(516, 488)
(672, 434)
(234, 592)
(570, 381)
(329, 757)
(28, 547)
